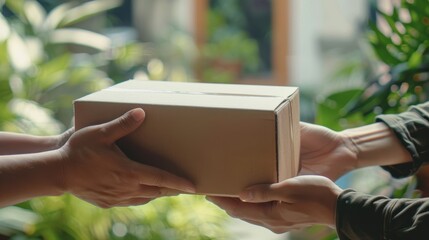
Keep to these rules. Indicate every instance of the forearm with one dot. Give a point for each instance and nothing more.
(376, 145)
(29, 175)
(15, 143)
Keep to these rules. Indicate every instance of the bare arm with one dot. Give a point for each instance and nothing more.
(30, 175)
(376, 145)
(332, 154)
(17, 143)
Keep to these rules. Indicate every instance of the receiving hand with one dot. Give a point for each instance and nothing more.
(294, 203)
(97, 171)
(325, 152)
(304, 200)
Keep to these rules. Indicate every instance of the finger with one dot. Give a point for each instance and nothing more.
(243, 210)
(123, 125)
(152, 176)
(268, 215)
(267, 192)
(260, 193)
(154, 192)
(133, 202)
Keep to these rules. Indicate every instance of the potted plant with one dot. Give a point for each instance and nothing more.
(228, 52)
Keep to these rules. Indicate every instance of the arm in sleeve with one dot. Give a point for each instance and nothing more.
(361, 216)
(412, 129)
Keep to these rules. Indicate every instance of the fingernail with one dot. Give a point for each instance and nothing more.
(246, 196)
(137, 114)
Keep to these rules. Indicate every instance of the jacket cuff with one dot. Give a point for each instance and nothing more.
(412, 130)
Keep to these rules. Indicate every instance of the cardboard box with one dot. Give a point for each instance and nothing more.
(223, 137)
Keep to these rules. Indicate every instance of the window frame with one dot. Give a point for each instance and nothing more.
(280, 44)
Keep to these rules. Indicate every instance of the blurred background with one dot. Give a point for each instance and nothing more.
(352, 59)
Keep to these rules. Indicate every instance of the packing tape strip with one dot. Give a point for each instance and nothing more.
(117, 89)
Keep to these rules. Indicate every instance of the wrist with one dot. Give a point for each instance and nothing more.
(58, 179)
(375, 145)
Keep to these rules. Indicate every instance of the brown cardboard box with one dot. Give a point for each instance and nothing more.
(223, 137)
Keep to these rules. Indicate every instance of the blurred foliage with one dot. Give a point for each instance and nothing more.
(400, 40)
(47, 61)
(66, 217)
(175, 55)
(229, 50)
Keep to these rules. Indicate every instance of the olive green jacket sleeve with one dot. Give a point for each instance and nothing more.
(361, 216)
(412, 129)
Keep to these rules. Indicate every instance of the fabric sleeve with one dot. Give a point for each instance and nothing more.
(362, 216)
(412, 129)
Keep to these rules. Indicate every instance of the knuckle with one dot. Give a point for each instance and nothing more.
(133, 175)
(124, 122)
(103, 131)
(120, 178)
(159, 179)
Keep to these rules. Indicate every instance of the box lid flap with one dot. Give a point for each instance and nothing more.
(207, 95)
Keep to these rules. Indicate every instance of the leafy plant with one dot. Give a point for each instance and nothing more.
(38, 69)
(403, 47)
(400, 41)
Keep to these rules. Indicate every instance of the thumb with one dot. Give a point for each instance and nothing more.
(123, 125)
(264, 193)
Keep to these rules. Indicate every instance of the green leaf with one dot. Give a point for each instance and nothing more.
(52, 72)
(56, 15)
(416, 58)
(18, 53)
(86, 10)
(35, 14)
(80, 37)
(332, 108)
(4, 28)
(366, 104)
(380, 42)
(391, 20)
(17, 7)
(5, 91)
